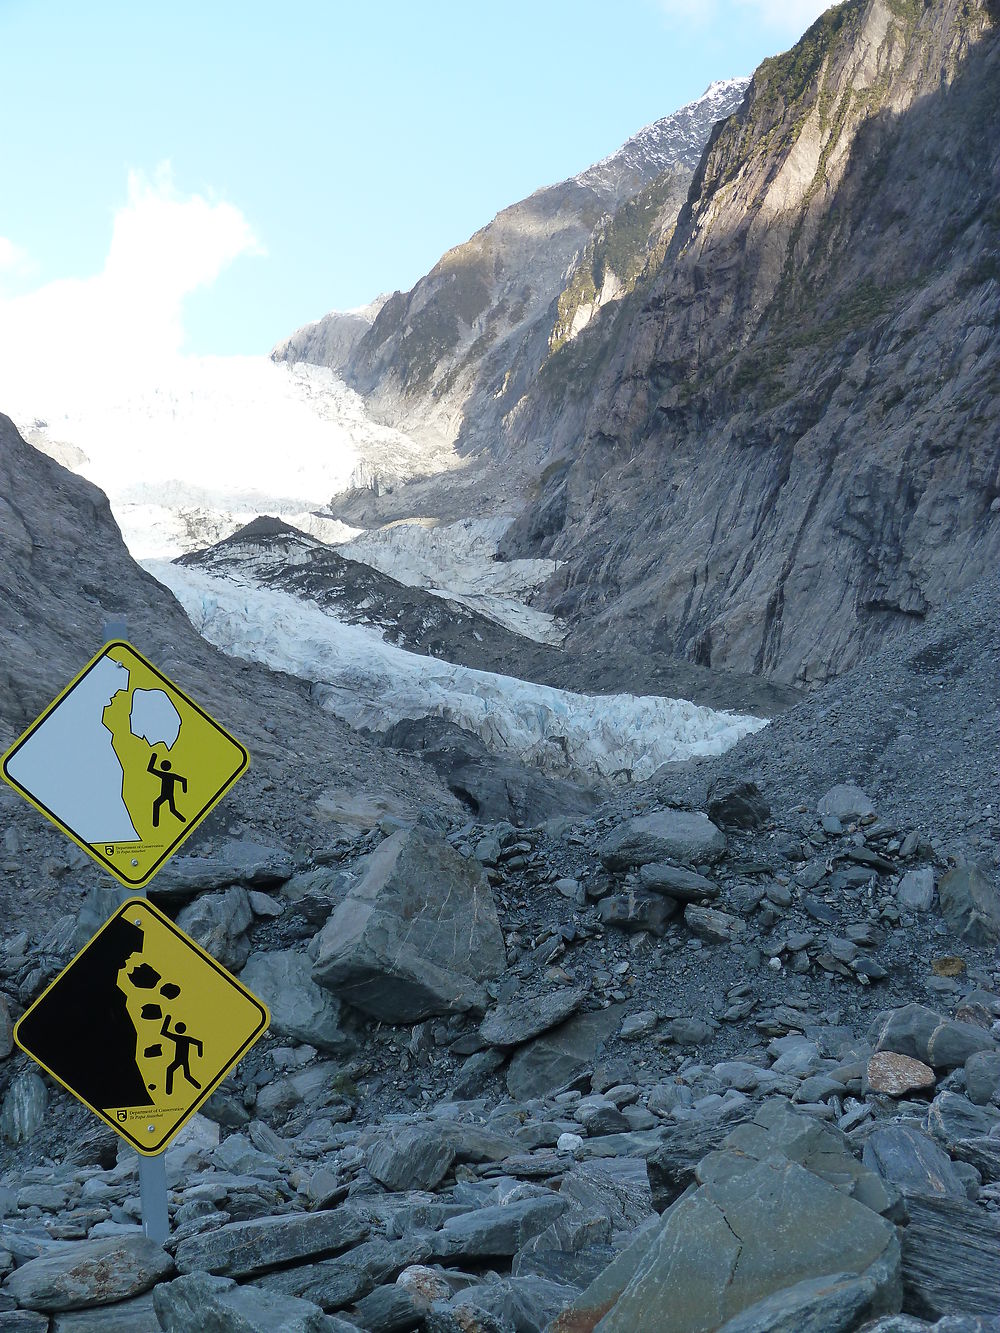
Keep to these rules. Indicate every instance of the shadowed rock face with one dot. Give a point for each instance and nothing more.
(778, 450)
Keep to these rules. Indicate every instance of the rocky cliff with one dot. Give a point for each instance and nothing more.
(452, 355)
(780, 447)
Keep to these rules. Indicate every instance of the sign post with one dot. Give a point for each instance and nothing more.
(143, 1025)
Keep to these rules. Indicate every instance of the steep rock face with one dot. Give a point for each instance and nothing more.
(330, 340)
(779, 449)
(450, 357)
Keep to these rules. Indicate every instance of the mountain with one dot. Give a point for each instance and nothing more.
(779, 449)
(452, 355)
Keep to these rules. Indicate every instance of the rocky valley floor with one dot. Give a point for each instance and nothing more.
(720, 1054)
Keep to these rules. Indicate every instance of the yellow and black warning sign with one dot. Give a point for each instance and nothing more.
(125, 763)
(142, 1026)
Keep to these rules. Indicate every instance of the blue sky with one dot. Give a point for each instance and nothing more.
(224, 172)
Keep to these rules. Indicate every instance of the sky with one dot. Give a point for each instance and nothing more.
(203, 179)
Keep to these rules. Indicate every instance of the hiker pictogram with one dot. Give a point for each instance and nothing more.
(182, 1053)
(125, 763)
(172, 1023)
(168, 781)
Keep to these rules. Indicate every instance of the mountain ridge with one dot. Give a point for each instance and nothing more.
(802, 326)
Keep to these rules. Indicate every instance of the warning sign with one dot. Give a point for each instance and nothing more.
(125, 763)
(142, 1026)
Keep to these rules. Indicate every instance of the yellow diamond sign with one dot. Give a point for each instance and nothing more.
(125, 763)
(142, 1026)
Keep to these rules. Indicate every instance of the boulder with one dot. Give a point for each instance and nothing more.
(133, 1316)
(970, 904)
(411, 1158)
(299, 1008)
(845, 802)
(198, 1303)
(737, 805)
(416, 936)
(236, 862)
(915, 891)
(23, 1110)
(6, 1028)
(685, 886)
(217, 921)
(558, 1057)
(88, 1273)
(831, 1304)
(919, 1032)
(912, 1162)
(950, 1267)
(712, 925)
(666, 835)
(982, 1076)
(732, 1243)
(897, 1074)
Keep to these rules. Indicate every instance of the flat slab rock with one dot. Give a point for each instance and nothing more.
(515, 1023)
(242, 1248)
(666, 835)
(133, 1316)
(198, 1303)
(88, 1273)
(237, 862)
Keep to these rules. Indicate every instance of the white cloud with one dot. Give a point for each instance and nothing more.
(130, 315)
(787, 18)
(12, 257)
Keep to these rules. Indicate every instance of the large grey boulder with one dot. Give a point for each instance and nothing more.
(557, 1057)
(240, 1248)
(88, 1273)
(970, 904)
(666, 835)
(732, 1243)
(299, 1008)
(915, 1030)
(198, 1303)
(415, 1157)
(417, 936)
(218, 922)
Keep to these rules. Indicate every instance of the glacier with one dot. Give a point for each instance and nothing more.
(369, 683)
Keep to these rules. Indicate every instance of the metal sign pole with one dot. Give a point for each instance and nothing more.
(152, 1170)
